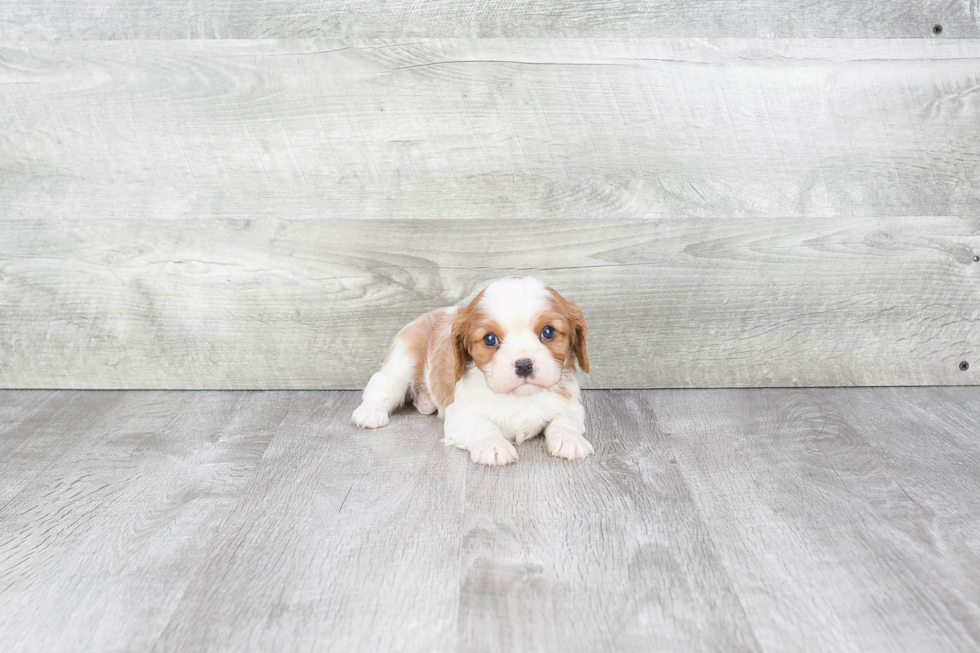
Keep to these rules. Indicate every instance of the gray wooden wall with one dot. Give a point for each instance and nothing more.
(238, 194)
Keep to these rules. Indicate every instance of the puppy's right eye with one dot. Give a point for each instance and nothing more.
(490, 340)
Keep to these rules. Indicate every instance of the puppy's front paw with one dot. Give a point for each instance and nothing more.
(570, 446)
(493, 451)
(370, 416)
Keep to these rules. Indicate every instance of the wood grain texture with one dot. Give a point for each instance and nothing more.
(108, 507)
(210, 214)
(709, 520)
(671, 302)
(39, 426)
(19, 409)
(609, 555)
(490, 128)
(181, 19)
(935, 465)
(346, 540)
(808, 516)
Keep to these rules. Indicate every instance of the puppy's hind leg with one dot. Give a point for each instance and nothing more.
(387, 388)
(423, 402)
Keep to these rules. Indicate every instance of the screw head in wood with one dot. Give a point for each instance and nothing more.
(964, 366)
(937, 29)
(976, 259)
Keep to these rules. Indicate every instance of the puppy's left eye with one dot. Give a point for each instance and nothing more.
(548, 333)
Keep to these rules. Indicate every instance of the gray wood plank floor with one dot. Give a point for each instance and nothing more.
(718, 520)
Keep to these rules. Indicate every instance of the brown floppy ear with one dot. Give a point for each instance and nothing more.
(576, 323)
(461, 325)
(579, 329)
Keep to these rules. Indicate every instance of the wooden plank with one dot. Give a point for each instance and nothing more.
(490, 128)
(604, 555)
(181, 19)
(18, 410)
(98, 547)
(928, 440)
(33, 435)
(818, 520)
(825, 548)
(344, 541)
(671, 302)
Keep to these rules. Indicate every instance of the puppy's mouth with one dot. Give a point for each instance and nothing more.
(527, 387)
(523, 386)
(534, 384)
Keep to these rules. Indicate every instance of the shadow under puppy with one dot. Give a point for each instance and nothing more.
(499, 371)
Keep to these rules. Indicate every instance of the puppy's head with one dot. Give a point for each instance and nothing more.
(521, 334)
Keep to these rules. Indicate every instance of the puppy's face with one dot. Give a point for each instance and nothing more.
(521, 334)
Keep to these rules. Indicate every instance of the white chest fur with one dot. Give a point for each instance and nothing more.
(518, 417)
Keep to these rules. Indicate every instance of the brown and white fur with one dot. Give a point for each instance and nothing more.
(491, 396)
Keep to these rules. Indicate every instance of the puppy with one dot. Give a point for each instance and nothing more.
(498, 371)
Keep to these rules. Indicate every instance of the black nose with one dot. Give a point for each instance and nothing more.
(524, 367)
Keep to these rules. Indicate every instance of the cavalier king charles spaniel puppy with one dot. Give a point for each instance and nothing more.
(498, 371)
